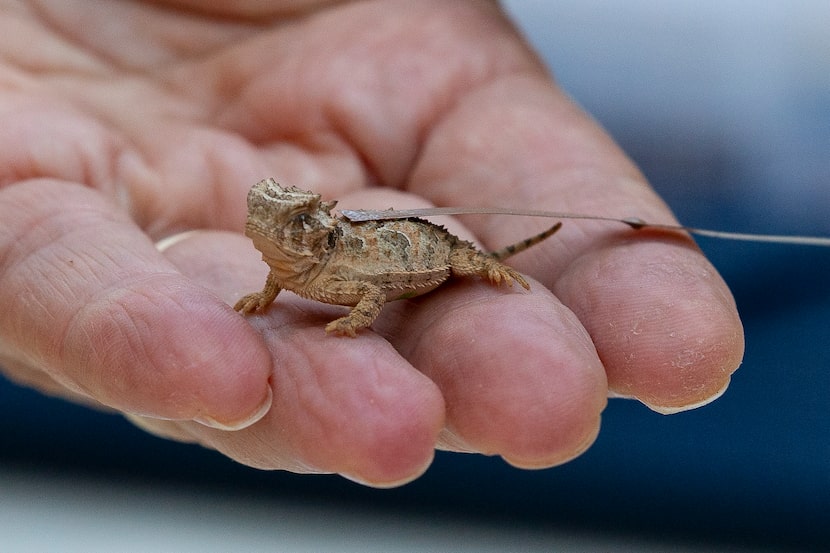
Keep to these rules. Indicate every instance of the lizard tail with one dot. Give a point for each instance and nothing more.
(513, 249)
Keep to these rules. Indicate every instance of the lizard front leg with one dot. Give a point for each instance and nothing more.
(367, 298)
(258, 301)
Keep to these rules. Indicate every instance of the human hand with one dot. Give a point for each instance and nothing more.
(127, 122)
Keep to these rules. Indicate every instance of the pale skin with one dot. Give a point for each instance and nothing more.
(123, 123)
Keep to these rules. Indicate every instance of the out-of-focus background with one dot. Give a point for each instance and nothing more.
(726, 107)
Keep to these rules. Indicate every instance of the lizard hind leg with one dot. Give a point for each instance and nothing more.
(467, 261)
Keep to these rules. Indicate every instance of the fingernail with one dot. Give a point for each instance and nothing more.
(674, 409)
(260, 412)
(173, 239)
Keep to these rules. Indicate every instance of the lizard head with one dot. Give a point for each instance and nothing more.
(288, 225)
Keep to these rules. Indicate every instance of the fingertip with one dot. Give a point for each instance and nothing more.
(554, 422)
(688, 405)
(255, 416)
(395, 443)
(671, 404)
(232, 373)
(350, 406)
(396, 447)
(387, 479)
(162, 347)
(570, 450)
(662, 319)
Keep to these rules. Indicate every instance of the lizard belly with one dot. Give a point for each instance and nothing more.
(409, 285)
(396, 285)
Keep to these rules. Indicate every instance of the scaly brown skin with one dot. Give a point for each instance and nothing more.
(363, 265)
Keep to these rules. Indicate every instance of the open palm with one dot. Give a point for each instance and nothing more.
(124, 123)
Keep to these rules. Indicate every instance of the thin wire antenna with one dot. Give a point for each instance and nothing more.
(359, 215)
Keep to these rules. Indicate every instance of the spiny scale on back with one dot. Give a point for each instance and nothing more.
(358, 264)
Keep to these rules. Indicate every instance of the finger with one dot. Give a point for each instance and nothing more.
(662, 318)
(673, 342)
(519, 374)
(92, 304)
(348, 406)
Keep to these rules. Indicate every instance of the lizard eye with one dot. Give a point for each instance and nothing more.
(301, 219)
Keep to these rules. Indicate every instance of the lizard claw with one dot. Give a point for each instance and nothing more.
(251, 303)
(343, 326)
(501, 272)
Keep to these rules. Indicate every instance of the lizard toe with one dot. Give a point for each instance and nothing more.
(342, 327)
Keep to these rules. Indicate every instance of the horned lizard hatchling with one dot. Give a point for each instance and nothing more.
(358, 264)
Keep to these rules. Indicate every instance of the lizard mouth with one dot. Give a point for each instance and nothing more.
(271, 243)
(280, 247)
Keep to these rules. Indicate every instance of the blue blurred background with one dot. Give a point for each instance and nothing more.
(726, 107)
